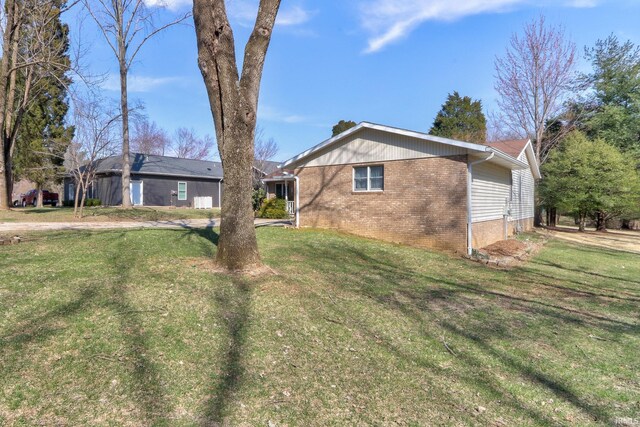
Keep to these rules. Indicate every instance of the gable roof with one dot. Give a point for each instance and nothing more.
(515, 147)
(150, 164)
(499, 156)
(512, 147)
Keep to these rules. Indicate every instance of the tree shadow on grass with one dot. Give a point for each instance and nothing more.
(451, 305)
(146, 383)
(234, 312)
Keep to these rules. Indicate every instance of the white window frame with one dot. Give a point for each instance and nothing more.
(186, 195)
(368, 190)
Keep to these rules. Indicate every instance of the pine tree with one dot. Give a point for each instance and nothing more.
(613, 111)
(43, 136)
(461, 118)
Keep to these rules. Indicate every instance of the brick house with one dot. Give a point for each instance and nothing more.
(411, 188)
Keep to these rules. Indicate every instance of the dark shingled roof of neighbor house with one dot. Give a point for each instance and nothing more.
(150, 164)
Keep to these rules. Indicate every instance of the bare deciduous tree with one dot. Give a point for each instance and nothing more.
(532, 79)
(233, 98)
(264, 151)
(126, 26)
(95, 137)
(149, 138)
(187, 145)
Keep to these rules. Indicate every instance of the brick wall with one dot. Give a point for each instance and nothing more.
(423, 203)
(485, 233)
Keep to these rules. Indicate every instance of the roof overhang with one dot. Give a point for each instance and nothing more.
(172, 175)
(472, 149)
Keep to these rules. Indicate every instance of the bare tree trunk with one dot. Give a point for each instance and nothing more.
(601, 222)
(75, 200)
(39, 201)
(582, 223)
(553, 216)
(234, 103)
(124, 110)
(237, 245)
(5, 163)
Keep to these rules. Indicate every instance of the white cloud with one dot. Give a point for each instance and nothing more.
(137, 83)
(391, 20)
(271, 114)
(169, 4)
(582, 3)
(294, 16)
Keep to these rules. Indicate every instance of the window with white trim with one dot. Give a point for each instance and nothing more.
(182, 191)
(368, 178)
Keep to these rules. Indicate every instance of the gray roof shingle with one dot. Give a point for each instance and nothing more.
(150, 164)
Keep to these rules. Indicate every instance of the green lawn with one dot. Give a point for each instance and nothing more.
(49, 214)
(129, 328)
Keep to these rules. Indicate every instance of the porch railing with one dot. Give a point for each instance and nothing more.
(291, 208)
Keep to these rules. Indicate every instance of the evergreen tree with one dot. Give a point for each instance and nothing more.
(589, 179)
(613, 111)
(43, 136)
(461, 118)
(341, 126)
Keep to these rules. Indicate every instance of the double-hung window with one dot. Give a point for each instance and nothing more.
(182, 191)
(368, 178)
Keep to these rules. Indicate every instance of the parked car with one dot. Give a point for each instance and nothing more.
(31, 198)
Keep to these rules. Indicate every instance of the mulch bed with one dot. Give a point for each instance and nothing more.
(507, 253)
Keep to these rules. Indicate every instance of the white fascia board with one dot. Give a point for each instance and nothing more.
(320, 146)
(517, 164)
(533, 162)
(477, 148)
(418, 135)
(279, 178)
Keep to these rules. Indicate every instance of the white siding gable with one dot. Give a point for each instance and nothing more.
(371, 145)
(490, 190)
(523, 192)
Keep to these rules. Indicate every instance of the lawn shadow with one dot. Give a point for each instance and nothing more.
(407, 294)
(146, 382)
(234, 304)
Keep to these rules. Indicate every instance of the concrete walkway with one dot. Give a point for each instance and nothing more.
(9, 227)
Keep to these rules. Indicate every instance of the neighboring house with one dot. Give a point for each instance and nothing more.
(412, 188)
(157, 181)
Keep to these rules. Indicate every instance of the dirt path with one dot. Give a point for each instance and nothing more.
(622, 240)
(12, 227)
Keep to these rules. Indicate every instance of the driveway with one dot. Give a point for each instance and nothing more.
(622, 240)
(10, 227)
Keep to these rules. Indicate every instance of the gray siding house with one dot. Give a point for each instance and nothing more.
(156, 181)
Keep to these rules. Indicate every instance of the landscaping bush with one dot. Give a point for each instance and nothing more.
(258, 197)
(274, 209)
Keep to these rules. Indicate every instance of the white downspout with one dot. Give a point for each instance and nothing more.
(469, 183)
(297, 201)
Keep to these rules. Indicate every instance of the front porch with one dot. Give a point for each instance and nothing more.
(282, 185)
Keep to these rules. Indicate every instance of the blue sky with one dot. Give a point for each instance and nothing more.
(385, 61)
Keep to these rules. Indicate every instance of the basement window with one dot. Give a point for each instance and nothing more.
(368, 178)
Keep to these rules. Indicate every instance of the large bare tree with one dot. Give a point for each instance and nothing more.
(532, 79)
(126, 26)
(95, 137)
(188, 145)
(149, 138)
(233, 98)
